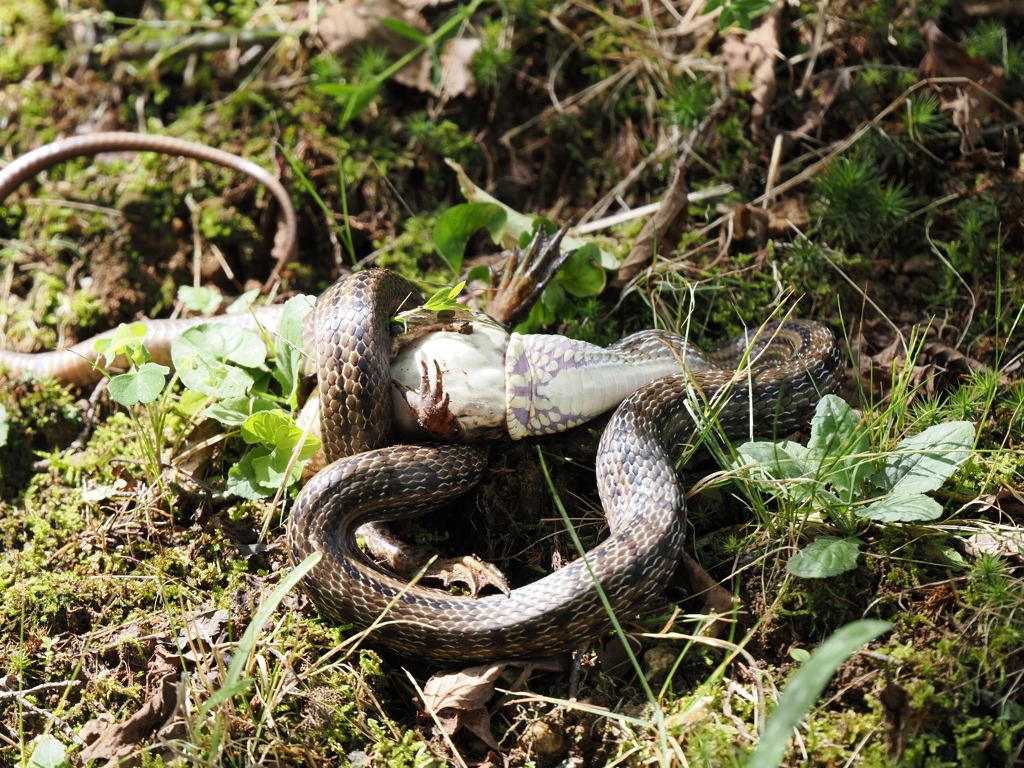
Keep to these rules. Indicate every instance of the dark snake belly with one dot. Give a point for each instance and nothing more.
(798, 362)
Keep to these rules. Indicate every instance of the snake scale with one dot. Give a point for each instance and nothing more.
(367, 479)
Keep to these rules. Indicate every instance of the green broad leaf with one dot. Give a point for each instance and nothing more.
(139, 385)
(242, 477)
(840, 441)
(233, 411)
(270, 470)
(782, 459)
(519, 223)
(223, 342)
(201, 354)
(902, 508)
(190, 403)
(459, 223)
(213, 378)
(923, 462)
(4, 426)
(127, 341)
(806, 686)
(49, 753)
(799, 654)
(288, 346)
(953, 557)
(243, 302)
(205, 301)
(825, 556)
(396, 25)
(581, 276)
(275, 429)
(479, 272)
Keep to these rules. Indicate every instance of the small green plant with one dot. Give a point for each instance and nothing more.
(738, 12)
(853, 207)
(836, 475)
(222, 369)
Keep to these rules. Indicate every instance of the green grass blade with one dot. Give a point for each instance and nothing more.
(806, 686)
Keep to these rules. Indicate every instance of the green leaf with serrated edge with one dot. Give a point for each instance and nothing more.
(806, 686)
(235, 410)
(262, 428)
(49, 753)
(460, 222)
(840, 441)
(902, 508)
(127, 341)
(289, 346)
(396, 25)
(139, 385)
(923, 462)
(825, 556)
(203, 300)
(580, 275)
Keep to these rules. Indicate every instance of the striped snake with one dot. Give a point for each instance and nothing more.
(551, 383)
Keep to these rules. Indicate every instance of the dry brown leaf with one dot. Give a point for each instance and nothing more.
(1004, 544)
(468, 689)
(751, 56)
(354, 23)
(110, 744)
(663, 229)
(969, 104)
(456, 79)
(786, 213)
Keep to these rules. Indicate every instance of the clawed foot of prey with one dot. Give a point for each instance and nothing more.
(407, 561)
(469, 570)
(430, 404)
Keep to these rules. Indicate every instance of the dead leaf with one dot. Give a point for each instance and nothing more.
(1005, 544)
(968, 103)
(751, 57)
(110, 744)
(896, 719)
(468, 689)
(456, 77)
(351, 24)
(787, 213)
(663, 229)
(459, 699)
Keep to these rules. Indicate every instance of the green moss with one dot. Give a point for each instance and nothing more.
(27, 28)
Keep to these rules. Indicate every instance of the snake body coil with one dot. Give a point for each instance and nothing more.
(638, 485)
(796, 363)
